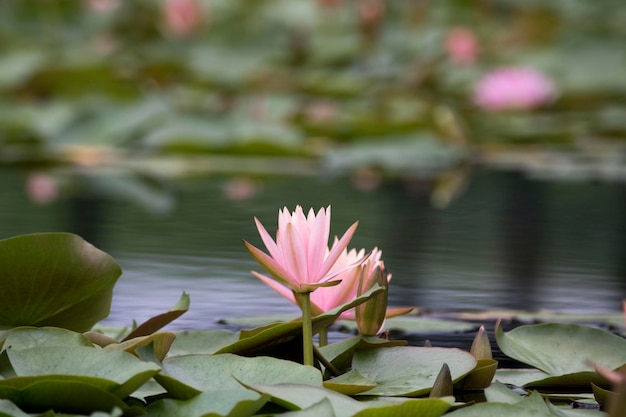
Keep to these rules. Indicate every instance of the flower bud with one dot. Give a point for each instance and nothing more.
(370, 316)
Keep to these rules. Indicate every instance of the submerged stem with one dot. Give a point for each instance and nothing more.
(307, 329)
(323, 337)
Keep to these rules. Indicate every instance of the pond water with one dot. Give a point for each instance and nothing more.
(507, 242)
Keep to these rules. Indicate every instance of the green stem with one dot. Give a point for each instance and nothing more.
(324, 336)
(307, 329)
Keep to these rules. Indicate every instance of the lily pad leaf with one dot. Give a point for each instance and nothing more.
(28, 337)
(423, 407)
(62, 395)
(54, 279)
(201, 341)
(187, 376)
(340, 353)
(350, 383)
(118, 372)
(481, 376)
(563, 350)
(322, 408)
(301, 397)
(408, 370)
(498, 410)
(159, 321)
(222, 403)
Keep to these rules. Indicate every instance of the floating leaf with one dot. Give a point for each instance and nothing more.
(201, 341)
(54, 279)
(423, 407)
(160, 344)
(187, 376)
(340, 353)
(28, 337)
(222, 403)
(301, 397)
(563, 351)
(408, 370)
(350, 383)
(412, 324)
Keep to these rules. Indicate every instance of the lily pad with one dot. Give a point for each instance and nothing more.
(564, 351)
(30, 337)
(340, 353)
(408, 370)
(301, 397)
(187, 376)
(54, 279)
(350, 383)
(201, 341)
(117, 372)
(222, 403)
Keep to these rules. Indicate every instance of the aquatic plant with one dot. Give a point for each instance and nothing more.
(55, 282)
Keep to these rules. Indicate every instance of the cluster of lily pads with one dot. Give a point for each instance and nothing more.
(56, 360)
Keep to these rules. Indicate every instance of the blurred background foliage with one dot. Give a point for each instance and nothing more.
(373, 87)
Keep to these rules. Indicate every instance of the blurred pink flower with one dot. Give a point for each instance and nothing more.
(182, 17)
(462, 46)
(41, 188)
(513, 88)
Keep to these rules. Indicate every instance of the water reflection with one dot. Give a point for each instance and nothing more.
(508, 242)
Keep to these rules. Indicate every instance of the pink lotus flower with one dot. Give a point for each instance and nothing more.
(300, 258)
(515, 88)
(182, 17)
(462, 46)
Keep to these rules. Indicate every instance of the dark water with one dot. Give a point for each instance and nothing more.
(507, 242)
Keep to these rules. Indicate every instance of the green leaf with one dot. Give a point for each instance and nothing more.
(350, 383)
(187, 376)
(563, 351)
(224, 403)
(28, 337)
(340, 353)
(301, 397)
(408, 370)
(201, 341)
(157, 322)
(118, 372)
(423, 407)
(54, 279)
(321, 408)
(498, 410)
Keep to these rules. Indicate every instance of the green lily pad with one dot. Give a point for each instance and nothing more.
(350, 383)
(563, 351)
(28, 337)
(9, 409)
(498, 410)
(201, 341)
(117, 372)
(258, 320)
(408, 370)
(419, 325)
(321, 408)
(340, 353)
(54, 279)
(301, 397)
(187, 376)
(222, 403)
(423, 407)
(64, 395)
(481, 376)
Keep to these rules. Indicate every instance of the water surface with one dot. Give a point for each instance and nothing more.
(507, 242)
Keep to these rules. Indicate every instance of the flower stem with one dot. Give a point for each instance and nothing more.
(307, 329)
(323, 337)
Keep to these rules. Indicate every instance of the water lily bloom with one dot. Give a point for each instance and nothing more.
(513, 88)
(462, 46)
(349, 265)
(182, 17)
(300, 258)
